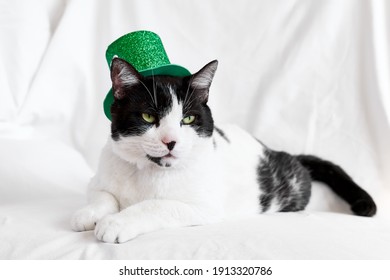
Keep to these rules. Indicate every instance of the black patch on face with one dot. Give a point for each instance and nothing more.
(194, 104)
(284, 180)
(150, 96)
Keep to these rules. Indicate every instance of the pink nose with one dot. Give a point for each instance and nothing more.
(170, 144)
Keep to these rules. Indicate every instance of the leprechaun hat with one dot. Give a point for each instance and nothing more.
(145, 51)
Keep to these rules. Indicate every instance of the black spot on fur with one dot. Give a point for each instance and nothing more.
(284, 181)
(156, 160)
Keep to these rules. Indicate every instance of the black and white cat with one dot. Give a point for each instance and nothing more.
(166, 164)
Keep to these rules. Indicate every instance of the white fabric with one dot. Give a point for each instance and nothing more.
(302, 76)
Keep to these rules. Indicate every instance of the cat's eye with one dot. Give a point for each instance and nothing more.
(149, 118)
(188, 120)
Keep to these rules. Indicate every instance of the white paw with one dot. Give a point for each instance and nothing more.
(84, 219)
(115, 228)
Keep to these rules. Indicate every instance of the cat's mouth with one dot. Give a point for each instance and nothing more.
(169, 155)
(164, 161)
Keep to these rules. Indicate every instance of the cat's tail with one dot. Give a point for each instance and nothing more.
(341, 183)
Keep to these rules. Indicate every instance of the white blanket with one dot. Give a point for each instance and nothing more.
(303, 76)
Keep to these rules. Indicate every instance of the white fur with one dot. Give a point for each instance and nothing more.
(131, 195)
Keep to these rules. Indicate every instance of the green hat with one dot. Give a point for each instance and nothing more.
(145, 51)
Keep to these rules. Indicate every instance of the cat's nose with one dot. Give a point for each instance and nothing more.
(170, 145)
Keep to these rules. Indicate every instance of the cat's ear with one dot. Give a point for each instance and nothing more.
(123, 76)
(203, 78)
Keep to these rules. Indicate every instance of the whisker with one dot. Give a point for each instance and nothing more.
(189, 98)
(147, 90)
(188, 105)
(154, 90)
(188, 88)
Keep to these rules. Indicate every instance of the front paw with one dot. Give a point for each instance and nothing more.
(84, 219)
(115, 229)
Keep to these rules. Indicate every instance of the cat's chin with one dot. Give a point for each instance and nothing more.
(168, 164)
(147, 161)
(166, 161)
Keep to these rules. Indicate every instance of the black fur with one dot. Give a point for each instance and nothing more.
(194, 105)
(156, 160)
(279, 172)
(283, 180)
(341, 183)
(127, 112)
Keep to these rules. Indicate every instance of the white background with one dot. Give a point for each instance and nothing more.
(302, 76)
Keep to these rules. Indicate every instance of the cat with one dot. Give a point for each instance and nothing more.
(167, 165)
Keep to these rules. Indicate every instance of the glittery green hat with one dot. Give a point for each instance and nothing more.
(145, 51)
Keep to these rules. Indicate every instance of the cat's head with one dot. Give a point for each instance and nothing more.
(160, 121)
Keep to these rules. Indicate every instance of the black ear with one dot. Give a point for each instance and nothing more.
(201, 81)
(123, 76)
(203, 78)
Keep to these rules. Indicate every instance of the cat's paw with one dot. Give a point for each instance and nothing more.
(115, 229)
(84, 219)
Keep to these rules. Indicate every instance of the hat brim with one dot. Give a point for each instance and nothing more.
(167, 70)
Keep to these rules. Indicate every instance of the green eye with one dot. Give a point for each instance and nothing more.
(189, 119)
(148, 118)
